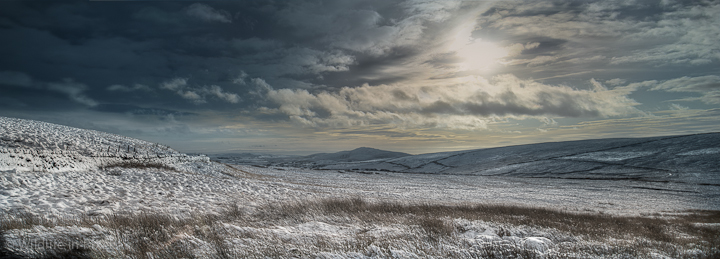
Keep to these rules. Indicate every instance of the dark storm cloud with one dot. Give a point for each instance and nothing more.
(137, 110)
(341, 63)
(116, 48)
(371, 69)
(198, 95)
(207, 13)
(96, 45)
(17, 84)
(14, 78)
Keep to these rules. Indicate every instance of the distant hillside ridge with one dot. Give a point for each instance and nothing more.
(694, 158)
(319, 160)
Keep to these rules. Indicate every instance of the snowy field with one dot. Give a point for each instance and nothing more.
(628, 198)
(67, 191)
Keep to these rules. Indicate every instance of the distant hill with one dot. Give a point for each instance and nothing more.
(250, 158)
(687, 158)
(358, 154)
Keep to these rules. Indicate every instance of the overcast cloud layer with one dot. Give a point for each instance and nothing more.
(414, 76)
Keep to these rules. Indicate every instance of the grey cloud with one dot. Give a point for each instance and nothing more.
(174, 84)
(332, 22)
(147, 49)
(557, 104)
(708, 86)
(15, 79)
(691, 84)
(616, 81)
(122, 88)
(536, 61)
(240, 78)
(254, 44)
(192, 96)
(12, 103)
(517, 48)
(677, 107)
(167, 19)
(386, 133)
(207, 13)
(137, 110)
(541, 60)
(154, 14)
(93, 61)
(74, 90)
(692, 32)
(377, 30)
(270, 59)
(548, 100)
(607, 34)
(219, 93)
(401, 95)
(197, 95)
(310, 61)
(440, 107)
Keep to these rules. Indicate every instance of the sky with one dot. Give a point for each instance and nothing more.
(416, 76)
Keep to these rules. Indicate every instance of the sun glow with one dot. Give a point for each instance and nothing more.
(481, 55)
(476, 54)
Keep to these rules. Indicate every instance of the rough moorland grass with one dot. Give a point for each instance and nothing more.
(431, 230)
(433, 220)
(592, 225)
(636, 235)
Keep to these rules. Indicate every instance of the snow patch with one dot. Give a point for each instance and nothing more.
(539, 244)
(705, 151)
(609, 156)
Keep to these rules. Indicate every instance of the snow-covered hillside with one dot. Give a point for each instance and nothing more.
(27, 145)
(687, 159)
(60, 171)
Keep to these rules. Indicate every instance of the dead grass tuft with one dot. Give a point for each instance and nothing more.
(22, 220)
(436, 228)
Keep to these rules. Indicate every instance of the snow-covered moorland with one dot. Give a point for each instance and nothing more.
(71, 192)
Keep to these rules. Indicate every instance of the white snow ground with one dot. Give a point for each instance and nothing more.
(55, 171)
(607, 196)
(60, 171)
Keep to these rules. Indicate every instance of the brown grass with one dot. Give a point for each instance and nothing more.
(607, 235)
(592, 225)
